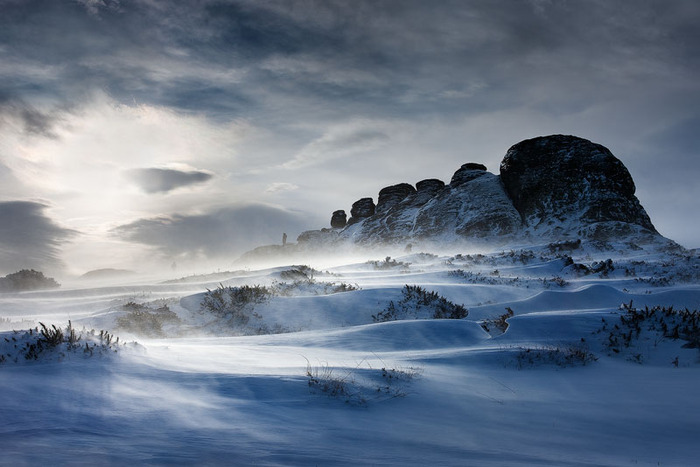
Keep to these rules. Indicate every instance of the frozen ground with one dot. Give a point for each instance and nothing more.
(569, 382)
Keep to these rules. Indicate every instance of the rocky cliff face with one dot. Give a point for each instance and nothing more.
(566, 185)
(549, 188)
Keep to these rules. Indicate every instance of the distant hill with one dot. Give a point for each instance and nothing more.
(106, 273)
(27, 279)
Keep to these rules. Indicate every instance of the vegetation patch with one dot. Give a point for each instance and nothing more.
(498, 325)
(566, 356)
(389, 263)
(360, 385)
(235, 305)
(142, 320)
(637, 332)
(416, 302)
(55, 343)
(26, 280)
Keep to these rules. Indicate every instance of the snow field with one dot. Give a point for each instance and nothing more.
(416, 392)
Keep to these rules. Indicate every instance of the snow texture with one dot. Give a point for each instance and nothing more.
(311, 379)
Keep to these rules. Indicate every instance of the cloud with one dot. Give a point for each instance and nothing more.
(278, 187)
(28, 238)
(155, 180)
(338, 142)
(219, 234)
(309, 82)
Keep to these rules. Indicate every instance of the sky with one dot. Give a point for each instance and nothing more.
(143, 134)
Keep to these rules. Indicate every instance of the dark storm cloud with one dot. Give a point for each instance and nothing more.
(218, 234)
(32, 120)
(331, 58)
(608, 71)
(28, 238)
(163, 180)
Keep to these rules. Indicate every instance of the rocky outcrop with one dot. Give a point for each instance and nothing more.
(563, 185)
(549, 188)
(339, 219)
(467, 173)
(430, 185)
(477, 209)
(426, 190)
(361, 209)
(323, 237)
(392, 195)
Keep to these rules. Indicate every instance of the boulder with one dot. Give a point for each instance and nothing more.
(563, 184)
(430, 185)
(339, 219)
(362, 208)
(478, 209)
(315, 238)
(467, 173)
(392, 195)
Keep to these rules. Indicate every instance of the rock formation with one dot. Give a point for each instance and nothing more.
(392, 195)
(549, 188)
(467, 173)
(562, 183)
(339, 219)
(361, 209)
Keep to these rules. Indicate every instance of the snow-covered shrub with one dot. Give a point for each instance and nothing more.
(637, 331)
(299, 273)
(310, 287)
(389, 263)
(497, 325)
(358, 385)
(53, 342)
(235, 304)
(554, 355)
(416, 302)
(142, 320)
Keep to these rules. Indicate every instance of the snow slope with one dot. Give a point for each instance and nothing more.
(338, 388)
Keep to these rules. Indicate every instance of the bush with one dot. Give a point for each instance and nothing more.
(558, 356)
(25, 280)
(415, 301)
(53, 342)
(359, 386)
(650, 325)
(500, 324)
(299, 273)
(389, 263)
(235, 304)
(145, 321)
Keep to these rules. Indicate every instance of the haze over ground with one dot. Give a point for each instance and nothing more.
(150, 133)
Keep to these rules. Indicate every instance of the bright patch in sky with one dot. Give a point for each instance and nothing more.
(119, 112)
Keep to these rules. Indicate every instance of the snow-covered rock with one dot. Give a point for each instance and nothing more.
(549, 189)
(568, 186)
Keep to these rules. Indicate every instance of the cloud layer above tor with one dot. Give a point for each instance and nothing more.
(123, 110)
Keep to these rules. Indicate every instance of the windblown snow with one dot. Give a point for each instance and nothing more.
(567, 355)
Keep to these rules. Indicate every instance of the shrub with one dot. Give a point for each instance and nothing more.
(53, 342)
(389, 263)
(145, 321)
(415, 301)
(500, 323)
(299, 273)
(551, 355)
(650, 325)
(25, 280)
(235, 304)
(358, 385)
